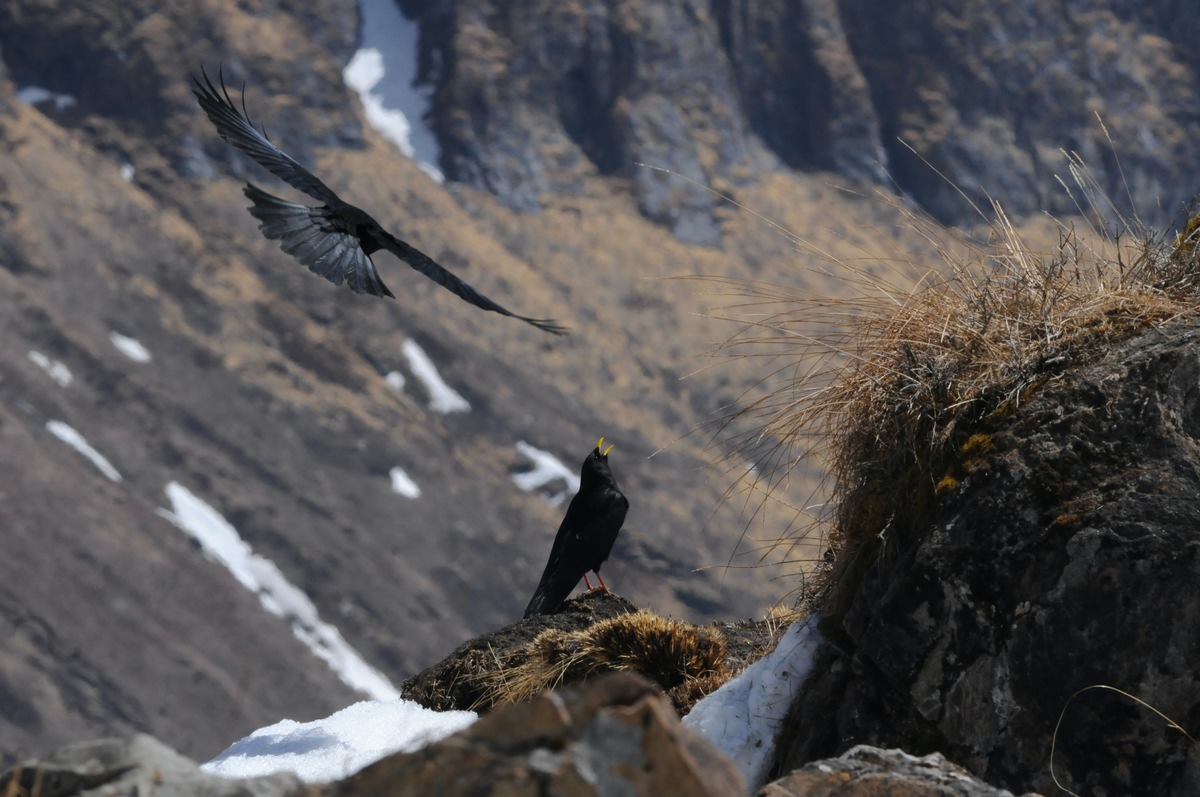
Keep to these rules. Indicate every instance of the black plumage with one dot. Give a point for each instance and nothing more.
(586, 535)
(336, 239)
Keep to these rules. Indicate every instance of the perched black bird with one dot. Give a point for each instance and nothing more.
(586, 536)
(336, 239)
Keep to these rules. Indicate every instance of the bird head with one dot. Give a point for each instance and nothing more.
(596, 465)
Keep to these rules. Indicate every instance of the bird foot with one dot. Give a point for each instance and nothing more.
(599, 588)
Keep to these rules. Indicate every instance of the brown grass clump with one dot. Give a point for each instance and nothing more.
(894, 390)
(687, 661)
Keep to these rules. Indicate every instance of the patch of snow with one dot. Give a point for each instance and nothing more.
(743, 718)
(56, 370)
(34, 95)
(383, 72)
(130, 347)
(339, 745)
(403, 484)
(442, 397)
(547, 469)
(127, 171)
(75, 440)
(395, 380)
(221, 541)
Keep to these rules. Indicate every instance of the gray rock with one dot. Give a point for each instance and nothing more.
(544, 93)
(139, 765)
(867, 771)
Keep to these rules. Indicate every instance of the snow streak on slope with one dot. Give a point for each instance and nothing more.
(56, 370)
(75, 440)
(35, 95)
(130, 347)
(395, 380)
(382, 73)
(547, 469)
(261, 576)
(403, 483)
(743, 718)
(339, 745)
(442, 397)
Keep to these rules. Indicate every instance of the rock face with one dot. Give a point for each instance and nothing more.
(1068, 559)
(534, 94)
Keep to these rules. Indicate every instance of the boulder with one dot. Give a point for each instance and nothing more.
(1063, 555)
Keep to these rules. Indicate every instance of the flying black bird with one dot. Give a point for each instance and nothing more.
(586, 536)
(336, 239)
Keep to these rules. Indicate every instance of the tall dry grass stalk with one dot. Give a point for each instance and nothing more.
(882, 387)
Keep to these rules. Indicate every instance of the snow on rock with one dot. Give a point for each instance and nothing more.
(56, 370)
(75, 440)
(339, 745)
(442, 397)
(127, 171)
(547, 469)
(221, 541)
(383, 72)
(403, 484)
(129, 347)
(743, 717)
(35, 95)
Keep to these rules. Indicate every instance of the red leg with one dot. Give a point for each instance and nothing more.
(588, 583)
(601, 587)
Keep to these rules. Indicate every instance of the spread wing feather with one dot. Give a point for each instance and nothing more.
(426, 265)
(315, 237)
(234, 126)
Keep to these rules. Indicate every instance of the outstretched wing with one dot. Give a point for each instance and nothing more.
(427, 266)
(318, 239)
(234, 126)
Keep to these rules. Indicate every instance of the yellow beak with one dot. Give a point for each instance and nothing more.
(610, 448)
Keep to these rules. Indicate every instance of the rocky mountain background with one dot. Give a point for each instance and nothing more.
(265, 392)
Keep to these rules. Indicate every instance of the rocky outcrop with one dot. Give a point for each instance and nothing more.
(1065, 558)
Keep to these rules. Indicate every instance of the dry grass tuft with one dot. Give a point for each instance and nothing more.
(894, 390)
(687, 661)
